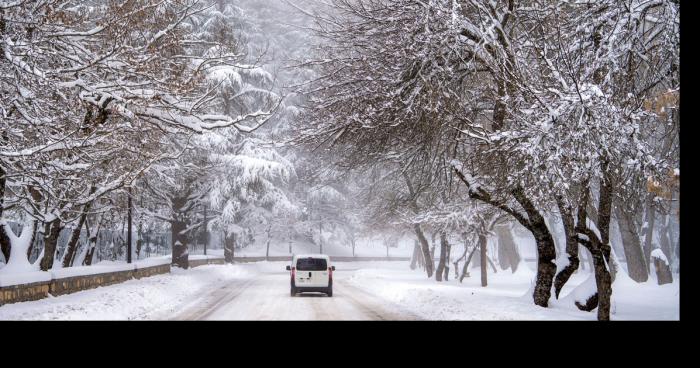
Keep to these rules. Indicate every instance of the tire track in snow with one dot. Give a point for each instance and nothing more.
(220, 296)
(374, 307)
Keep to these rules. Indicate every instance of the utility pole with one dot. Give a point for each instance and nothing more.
(128, 240)
(206, 230)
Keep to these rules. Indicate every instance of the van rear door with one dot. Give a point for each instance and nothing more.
(311, 272)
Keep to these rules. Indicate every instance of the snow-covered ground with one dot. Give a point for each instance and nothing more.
(364, 290)
(508, 296)
(134, 299)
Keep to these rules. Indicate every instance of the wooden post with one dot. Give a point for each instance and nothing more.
(128, 241)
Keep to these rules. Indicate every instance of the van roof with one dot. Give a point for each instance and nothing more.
(324, 256)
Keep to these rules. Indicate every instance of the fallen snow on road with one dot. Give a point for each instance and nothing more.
(261, 291)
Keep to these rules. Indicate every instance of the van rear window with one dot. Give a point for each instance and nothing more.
(311, 264)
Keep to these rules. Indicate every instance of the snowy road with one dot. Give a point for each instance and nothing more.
(361, 291)
(266, 297)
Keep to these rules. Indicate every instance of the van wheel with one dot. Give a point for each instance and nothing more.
(293, 292)
(330, 292)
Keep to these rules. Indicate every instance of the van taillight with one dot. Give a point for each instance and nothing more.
(330, 272)
(293, 272)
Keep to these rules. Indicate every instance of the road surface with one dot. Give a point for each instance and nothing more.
(265, 296)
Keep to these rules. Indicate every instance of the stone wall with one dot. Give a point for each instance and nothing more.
(73, 284)
(202, 262)
(24, 292)
(68, 285)
(151, 271)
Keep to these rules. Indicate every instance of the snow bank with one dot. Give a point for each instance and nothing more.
(155, 297)
(18, 262)
(19, 278)
(102, 267)
(10, 277)
(508, 296)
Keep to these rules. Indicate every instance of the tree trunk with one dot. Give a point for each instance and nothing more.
(456, 263)
(414, 256)
(229, 244)
(206, 231)
(663, 271)
(607, 272)
(30, 249)
(636, 263)
(447, 262)
(179, 243)
(75, 236)
(482, 248)
(563, 275)
(440, 271)
(599, 247)
(93, 235)
(506, 245)
(465, 269)
(51, 232)
(503, 260)
(425, 248)
(649, 232)
(5, 245)
(267, 250)
(665, 236)
(129, 236)
(603, 282)
(546, 251)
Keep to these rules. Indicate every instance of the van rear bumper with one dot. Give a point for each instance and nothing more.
(312, 289)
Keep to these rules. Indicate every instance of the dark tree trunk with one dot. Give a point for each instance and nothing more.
(563, 275)
(665, 237)
(440, 271)
(456, 263)
(5, 245)
(546, 268)
(599, 247)
(414, 256)
(603, 282)
(206, 231)
(634, 254)
(649, 232)
(51, 232)
(92, 242)
(267, 250)
(447, 262)
(30, 249)
(179, 243)
(663, 271)
(465, 269)
(427, 259)
(129, 236)
(229, 244)
(482, 248)
(75, 236)
(425, 248)
(546, 251)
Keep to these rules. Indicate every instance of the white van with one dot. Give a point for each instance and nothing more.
(311, 273)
